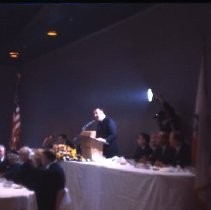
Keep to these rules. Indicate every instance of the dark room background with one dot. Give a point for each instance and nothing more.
(112, 69)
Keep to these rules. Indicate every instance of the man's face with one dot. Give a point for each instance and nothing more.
(98, 115)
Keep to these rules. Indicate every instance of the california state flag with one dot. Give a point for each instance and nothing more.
(202, 135)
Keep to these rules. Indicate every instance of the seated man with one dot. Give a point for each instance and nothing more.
(143, 149)
(182, 155)
(62, 139)
(154, 145)
(53, 180)
(48, 142)
(25, 175)
(13, 167)
(166, 152)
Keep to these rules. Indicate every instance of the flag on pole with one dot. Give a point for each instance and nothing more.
(16, 128)
(202, 164)
(16, 120)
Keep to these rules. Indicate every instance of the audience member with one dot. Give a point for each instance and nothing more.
(166, 152)
(62, 139)
(143, 149)
(53, 180)
(48, 142)
(25, 175)
(13, 167)
(182, 154)
(154, 145)
(38, 176)
(37, 158)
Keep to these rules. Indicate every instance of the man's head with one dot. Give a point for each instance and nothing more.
(99, 114)
(12, 157)
(143, 139)
(25, 153)
(48, 156)
(62, 139)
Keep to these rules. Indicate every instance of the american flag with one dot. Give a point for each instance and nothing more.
(16, 121)
(16, 128)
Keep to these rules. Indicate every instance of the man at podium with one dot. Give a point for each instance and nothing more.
(106, 132)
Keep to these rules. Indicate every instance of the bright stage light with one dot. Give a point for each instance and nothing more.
(149, 94)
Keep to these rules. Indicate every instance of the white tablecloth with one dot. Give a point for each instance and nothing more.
(15, 197)
(111, 186)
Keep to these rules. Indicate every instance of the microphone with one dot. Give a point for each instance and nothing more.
(87, 125)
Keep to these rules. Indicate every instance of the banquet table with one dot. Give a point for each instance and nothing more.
(113, 186)
(16, 197)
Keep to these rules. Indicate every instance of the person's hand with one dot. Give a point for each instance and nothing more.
(101, 140)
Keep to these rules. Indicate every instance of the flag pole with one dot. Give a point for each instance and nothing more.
(18, 78)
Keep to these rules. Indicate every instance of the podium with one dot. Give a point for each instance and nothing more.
(91, 148)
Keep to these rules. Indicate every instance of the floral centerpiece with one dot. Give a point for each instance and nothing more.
(65, 152)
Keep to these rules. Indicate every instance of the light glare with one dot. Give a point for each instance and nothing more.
(52, 33)
(149, 95)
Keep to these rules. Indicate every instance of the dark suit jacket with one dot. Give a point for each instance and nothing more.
(154, 155)
(53, 181)
(142, 152)
(12, 172)
(107, 129)
(166, 155)
(3, 166)
(182, 157)
(25, 175)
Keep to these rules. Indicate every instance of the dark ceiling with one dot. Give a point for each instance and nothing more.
(24, 26)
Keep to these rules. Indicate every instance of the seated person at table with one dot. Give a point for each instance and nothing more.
(53, 180)
(3, 162)
(143, 149)
(48, 142)
(37, 158)
(166, 152)
(13, 167)
(62, 139)
(38, 174)
(182, 155)
(153, 143)
(25, 175)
